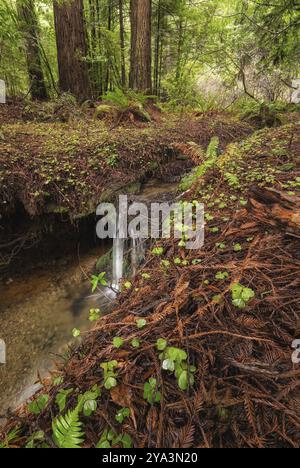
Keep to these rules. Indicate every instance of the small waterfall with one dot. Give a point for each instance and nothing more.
(126, 253)
(118, 261)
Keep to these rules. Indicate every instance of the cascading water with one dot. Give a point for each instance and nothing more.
(118, 259)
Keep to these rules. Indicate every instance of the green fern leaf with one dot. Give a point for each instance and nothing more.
(67, 430)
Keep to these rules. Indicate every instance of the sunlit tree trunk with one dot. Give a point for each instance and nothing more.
(140, 66)
(29, 27)
(71, 48)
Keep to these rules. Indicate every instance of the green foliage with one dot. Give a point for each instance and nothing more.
(161, 344)
(241, 295)
(35, 439)
(109, 440)
(141, 323)
(12, 436)
(76, 333)
(61, 398)
(94, 315)
(98, 280)
(122, 414)
(118, 342)
(158, 251)
(151, 393)
(110, 376)
(36, 406)
(211, 156)
(88, 401)
(135, 343)
(175, 360)
(68, 430)
(222, 275)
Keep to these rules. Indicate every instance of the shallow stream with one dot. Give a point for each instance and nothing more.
(39, 311)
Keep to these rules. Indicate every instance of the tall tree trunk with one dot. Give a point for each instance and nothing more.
(30, 30)
(93, 46)
(179, 50)
(140, 67)
(122, 43)
(157, 49)
(108, 83)
(71, 48)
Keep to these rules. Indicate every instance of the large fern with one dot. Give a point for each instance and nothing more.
(67, 430)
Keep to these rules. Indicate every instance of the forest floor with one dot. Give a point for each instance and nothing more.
(71, 167)
(204, 355)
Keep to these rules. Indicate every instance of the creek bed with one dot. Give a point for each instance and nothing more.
(39, 311)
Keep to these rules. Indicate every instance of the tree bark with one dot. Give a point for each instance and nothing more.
(141, 56)
(30, 30)
(71, 48)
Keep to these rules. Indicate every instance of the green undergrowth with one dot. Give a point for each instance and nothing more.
(68, 167)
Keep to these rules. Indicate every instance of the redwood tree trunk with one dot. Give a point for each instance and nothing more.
(140, 67)
(30, 30)
(71, 48)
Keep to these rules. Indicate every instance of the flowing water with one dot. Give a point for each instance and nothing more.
(39, 312)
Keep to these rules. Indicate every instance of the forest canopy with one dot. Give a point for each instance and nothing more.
(196, 52)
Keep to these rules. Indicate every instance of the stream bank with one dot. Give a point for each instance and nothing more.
(44, 301)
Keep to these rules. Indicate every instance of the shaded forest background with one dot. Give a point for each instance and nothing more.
(204, 54)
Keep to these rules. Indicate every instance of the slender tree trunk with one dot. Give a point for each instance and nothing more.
(93, 46)
(109, 63)
(122, 43)
(99, 47)
(157, 49)
(71, 48)
(140, 66)
(179, 50)
(30, 30)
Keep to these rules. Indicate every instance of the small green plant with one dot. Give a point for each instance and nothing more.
(135, 343)
(237, 248)
(110, 376)
(161, 344)
(127, 285)
(241, 295)
(76, 333)
(122, 414)
(197, 261)
(98, 280)
(37, 406)
(35, 440)
(141, 323)
(109, 440)
(222, 275)
(232, 180)
(146, 276)
(88, 401)
(61, 398)
(113, 160)
(158, 251)
(67, 430)
(12, 436)
(221, 245)
(175, 360)
(151, 393)
(118, 342)
(165, 264)
(94, 315)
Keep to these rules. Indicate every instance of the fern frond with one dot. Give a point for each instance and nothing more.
(67, 430)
